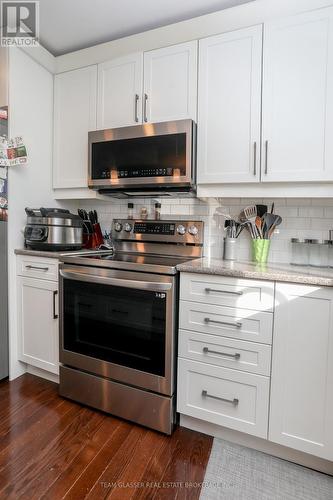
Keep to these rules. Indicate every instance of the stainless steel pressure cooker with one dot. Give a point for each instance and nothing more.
(53, 229)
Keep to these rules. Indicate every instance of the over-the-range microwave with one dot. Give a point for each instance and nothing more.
(153, 159)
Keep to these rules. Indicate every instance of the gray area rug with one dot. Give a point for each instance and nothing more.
(238, 473)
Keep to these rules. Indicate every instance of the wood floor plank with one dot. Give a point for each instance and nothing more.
(86, 454)
(58, 454)
(29, 447)
(131, 478)
(82, 487)
(24, 433)
(52, 448)
(119, 461)
(156, 468)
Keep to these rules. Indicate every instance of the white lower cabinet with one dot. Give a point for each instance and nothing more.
(38, 324)
(301, 415)
(223, 396)
(227, 352)
(234, 373)
(224, 351)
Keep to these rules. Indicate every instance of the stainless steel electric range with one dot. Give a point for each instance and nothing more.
(119, 320)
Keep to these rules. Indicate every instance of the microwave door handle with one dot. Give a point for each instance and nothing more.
(138, 285)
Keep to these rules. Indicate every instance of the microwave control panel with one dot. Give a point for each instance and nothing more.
(144, 172)
(154, 228)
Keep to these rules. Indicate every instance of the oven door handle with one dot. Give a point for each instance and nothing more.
(138, 285)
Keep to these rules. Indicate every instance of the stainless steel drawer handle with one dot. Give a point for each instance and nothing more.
(237, 324)
(266, 157)
(55, 294)
(255, 158)
(145, 118)
(37, 267)
(234, 356)
(234, 401)
(136, 117)
(223, 291)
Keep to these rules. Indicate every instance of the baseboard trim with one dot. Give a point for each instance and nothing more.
(258, 444)
(43, 374)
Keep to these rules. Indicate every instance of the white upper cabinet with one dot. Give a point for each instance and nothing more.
(229, 107)
(301, 413)
(297, 135)
(74, 115)
(170, 83)
(120, 92)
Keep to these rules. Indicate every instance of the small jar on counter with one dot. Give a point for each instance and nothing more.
(144, 213)
(157, 211)
(230, 248)
(300, 252)
(130, 210)
(318, 252)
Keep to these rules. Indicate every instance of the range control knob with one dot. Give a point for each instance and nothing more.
(181, 229)
(118, 227)
(193, 230)
(128, 227)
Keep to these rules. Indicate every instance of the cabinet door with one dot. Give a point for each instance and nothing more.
(38, 323)
(298, 98)
(229, 107)
(74, 115)
(120, 92)
(170, 83)
(302, 375)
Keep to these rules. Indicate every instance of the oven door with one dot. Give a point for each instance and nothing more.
(119, 324)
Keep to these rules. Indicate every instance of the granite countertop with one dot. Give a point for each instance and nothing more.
(54, 255)
(272, 272)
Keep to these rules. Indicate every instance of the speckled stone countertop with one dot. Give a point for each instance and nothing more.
(272, 272)
(54, 255)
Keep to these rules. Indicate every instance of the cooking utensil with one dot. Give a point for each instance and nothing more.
(261, 210)
(272, 209)
(258, 223)
(250, 212)
(270, 221)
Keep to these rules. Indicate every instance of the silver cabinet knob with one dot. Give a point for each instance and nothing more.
(118, 227)
(181, 229)
(128, 227)
(193, 230)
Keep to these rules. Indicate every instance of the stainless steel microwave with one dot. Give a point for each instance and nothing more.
(153, 159)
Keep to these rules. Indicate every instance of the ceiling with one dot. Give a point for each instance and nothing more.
(67, 25)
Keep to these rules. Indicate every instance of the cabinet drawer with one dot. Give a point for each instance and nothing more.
(37, 267)
(224, 291)
(221, 351)
(241, 324)
(231, 398)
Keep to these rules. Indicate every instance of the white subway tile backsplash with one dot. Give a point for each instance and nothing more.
(311, 212)
(302, 218)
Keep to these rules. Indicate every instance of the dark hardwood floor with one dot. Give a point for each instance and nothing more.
(52, 448)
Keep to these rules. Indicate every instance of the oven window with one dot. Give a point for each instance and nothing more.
(162, 155)
(120, 325)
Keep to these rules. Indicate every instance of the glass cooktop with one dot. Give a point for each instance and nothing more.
(135, 262)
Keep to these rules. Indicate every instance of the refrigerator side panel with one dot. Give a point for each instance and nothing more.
(3, 302)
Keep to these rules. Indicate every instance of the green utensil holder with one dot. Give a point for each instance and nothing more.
(260, 250)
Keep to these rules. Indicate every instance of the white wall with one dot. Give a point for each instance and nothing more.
(30, 116)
